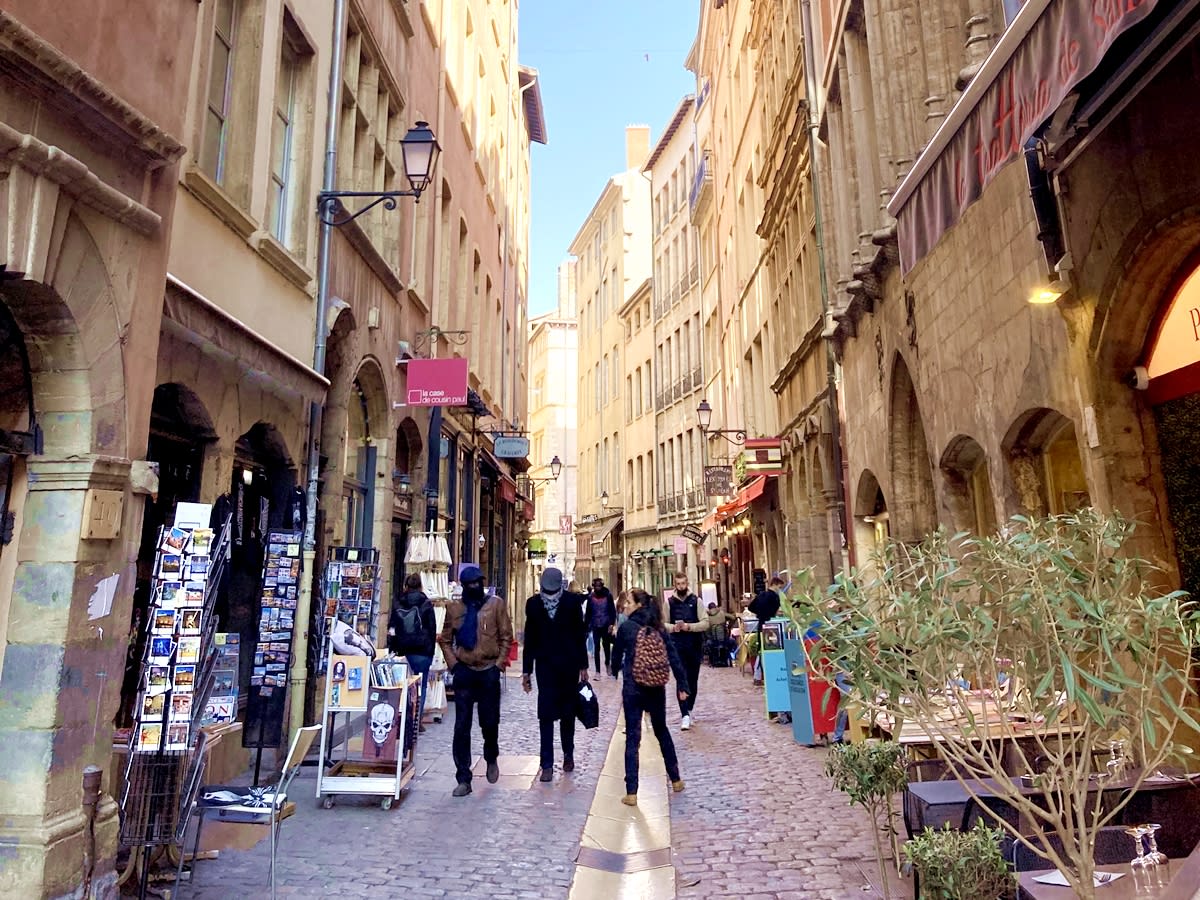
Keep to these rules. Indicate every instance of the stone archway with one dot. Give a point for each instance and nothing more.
(967, 486)
(1045, 469)
(914, 509)
(871, 519)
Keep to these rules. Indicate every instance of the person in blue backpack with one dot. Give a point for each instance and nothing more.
(412, 628)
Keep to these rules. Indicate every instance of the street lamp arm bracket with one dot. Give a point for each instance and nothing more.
(332, 211)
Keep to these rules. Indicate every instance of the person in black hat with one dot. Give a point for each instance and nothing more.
(475, 640)
(556, 649)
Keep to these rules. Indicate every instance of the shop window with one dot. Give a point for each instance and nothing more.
(1045, 468)
(358, 470)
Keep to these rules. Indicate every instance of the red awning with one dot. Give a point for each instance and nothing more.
(743, 499)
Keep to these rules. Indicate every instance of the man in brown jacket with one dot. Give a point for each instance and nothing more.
(475, 640)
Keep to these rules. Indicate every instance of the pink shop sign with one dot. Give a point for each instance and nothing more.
(437, 382)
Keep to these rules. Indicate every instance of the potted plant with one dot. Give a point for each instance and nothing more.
(1068, 634)
(870, 774)
(960, 865)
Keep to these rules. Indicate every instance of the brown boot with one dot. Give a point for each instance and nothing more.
(629, 799)
(677, 785)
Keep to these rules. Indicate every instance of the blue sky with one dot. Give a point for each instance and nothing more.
(602, 64)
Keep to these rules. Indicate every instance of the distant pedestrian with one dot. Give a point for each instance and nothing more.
(412, 629)
(556, 650)
(475, 640)
(688, 627)
(601, 622)
(646, 659)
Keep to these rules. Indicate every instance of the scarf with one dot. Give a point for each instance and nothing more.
(550, 601)
(468, 632)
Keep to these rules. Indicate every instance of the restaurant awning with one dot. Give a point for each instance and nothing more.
(608, 529)
(738, 504)
(190, 317)
(1046, 51)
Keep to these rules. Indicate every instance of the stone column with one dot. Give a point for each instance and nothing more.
(62, 676)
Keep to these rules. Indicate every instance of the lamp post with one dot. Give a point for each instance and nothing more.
(420, 151)
(555, 471)
(704, 419)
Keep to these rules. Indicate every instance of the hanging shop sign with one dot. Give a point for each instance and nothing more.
(536, 548)
(763, 456)
(1049, 49)
(437, 382)
(511, 447)
(718, 481)
(589, 519)
(564, 525)
(681, 546)
(694, 534)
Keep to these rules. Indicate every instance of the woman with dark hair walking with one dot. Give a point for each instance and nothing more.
(646, 659)
(412, 628)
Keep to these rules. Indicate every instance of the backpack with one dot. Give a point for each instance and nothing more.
(651, 665)
(410, 636)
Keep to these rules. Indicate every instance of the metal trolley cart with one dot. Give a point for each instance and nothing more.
(369, 743)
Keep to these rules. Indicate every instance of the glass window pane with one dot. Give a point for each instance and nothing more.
(210, 148)
(224, 18)
(277, 212)
(279, 147)
(218, 76)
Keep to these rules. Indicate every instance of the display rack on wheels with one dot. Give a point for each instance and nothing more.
(166, 747)
(369, 742)
(428, 554)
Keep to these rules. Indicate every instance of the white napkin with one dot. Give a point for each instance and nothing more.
(1099, 878)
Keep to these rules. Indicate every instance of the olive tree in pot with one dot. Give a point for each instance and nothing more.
(1068, 630)
(960, 865)
(870, 774)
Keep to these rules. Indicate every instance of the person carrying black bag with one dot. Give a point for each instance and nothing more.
(412, 629)
(556, 649)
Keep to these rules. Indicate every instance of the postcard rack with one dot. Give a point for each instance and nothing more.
(368, 745)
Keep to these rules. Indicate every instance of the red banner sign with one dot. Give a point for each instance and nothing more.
(437, 382)
(564, 525)
(1061, 48)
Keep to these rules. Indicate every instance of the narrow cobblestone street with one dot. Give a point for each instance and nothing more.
(757, 820)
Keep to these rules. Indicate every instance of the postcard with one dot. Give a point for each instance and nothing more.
(354, 679)
(189, 650)
(153, 705)
(198, 567)
(149, 736)
(293, 550)
(174, 539)
(161, 648)
(202, 539)
(158, 679)
(177, 736)
(181, 705)
(349, 593)
(256, 680)
(164, 622)
(192, 595)
(189, 620)
(185, 677)
(170, 565)
(223, 682)
(259, 670)
(276, 667)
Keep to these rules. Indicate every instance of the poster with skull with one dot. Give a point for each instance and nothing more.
(383, 725)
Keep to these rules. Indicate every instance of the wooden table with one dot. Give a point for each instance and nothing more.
(1121, 889)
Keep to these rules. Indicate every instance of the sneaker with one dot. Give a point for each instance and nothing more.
(461, 790)
(687, 724)
(493, 773)
(629, 799)
(568, 765)
(547, 775)
(677, 785)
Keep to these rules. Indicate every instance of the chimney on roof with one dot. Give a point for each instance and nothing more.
(637, 145)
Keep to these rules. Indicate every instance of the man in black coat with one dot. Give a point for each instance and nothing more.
(687, 627)
(556, 649)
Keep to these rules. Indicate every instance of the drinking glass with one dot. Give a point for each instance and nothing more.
(1137, 832)
(1117, 760)
(1160, 858)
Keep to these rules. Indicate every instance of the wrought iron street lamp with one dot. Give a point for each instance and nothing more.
(555, 471)
(704, 418)
(419, 149)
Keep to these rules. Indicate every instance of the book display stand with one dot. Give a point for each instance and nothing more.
(166, 747)
(369, 742)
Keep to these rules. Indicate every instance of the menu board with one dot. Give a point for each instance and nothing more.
(273, 649)
(177, 666)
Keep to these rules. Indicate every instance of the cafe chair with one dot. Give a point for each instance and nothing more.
(996, 808)
(240, 804)
(1113, 847)
(916, 771)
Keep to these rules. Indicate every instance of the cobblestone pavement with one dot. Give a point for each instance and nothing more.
(758, 820)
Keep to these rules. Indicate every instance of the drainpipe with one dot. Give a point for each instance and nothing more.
(839, 513)
(91, 796)
(299, 675)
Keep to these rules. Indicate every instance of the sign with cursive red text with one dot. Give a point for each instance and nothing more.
(1064, 45)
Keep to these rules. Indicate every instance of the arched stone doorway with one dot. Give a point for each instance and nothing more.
(1045, 470)
(1172, 363)
(968, 486)
(914, 509)
(871, 519)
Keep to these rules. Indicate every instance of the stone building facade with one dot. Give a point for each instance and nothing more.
(89, 147)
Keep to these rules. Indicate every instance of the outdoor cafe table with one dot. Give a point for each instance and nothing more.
(1120, 889)
(939, 802)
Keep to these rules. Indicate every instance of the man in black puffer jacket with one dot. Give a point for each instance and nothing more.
(412, 627)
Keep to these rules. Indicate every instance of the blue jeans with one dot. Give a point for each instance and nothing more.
(420, 664)
(843, 716)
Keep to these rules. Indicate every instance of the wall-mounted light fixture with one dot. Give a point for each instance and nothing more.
(704, 419)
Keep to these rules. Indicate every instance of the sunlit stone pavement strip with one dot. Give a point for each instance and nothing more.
(758, 820)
